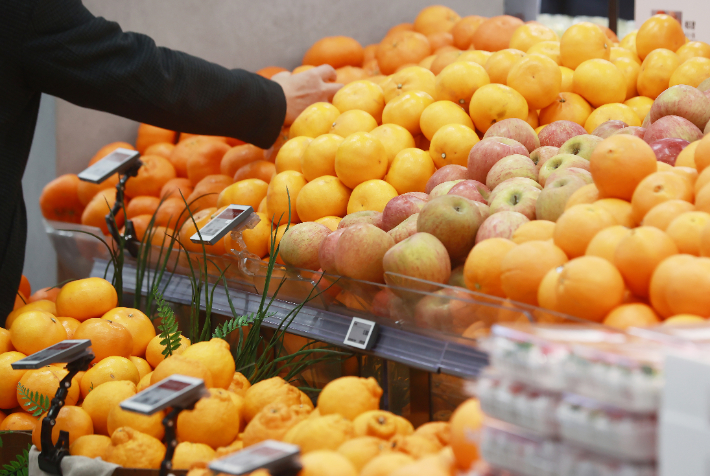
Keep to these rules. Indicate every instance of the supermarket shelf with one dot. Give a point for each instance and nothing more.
(395, 344)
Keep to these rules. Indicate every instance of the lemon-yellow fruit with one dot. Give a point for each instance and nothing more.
(381, 424)
(132, 449)
(273, 390)
(350, 396)
(90, 446)
(360, 451)
(149, 424)
(215, 355)
(326, 463)
(187, 454)
(273, 422)
(101, 400)
(321, 433)
(177, 364)
(214, 421)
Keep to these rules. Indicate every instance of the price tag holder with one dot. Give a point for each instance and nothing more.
(175, 391)
(215, 229)
(65, 351)
(275, 456)
(117, 161)
(362, 334)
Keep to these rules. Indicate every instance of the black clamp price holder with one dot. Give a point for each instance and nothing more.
(234, 218)
(78, 356)
(362, 334)
(280, 459)
(177, 392)
(126, 163)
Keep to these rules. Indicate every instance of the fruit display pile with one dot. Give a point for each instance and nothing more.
(346, 434)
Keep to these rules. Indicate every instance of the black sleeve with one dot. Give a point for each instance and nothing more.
(69, 53)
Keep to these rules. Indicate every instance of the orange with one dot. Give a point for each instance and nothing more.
(360, 451)
(394, 138)
(207, 191)
(685, 291)
(110, 369)
(44, 294)
(413, 78)
(619, 209)
(371, 195)
(702, 153)
(331, 222)
(442, 113)
(87, 190)
(656, 71)
(576, 227)
(9, 378)
(524, 266)
(567, 106)
(214, 421)
(257, 239)
(639, 253)
(629, 41)
(150, 425)
(281, 195)
(142, 365)
(582, 42)
(241, 155)
(440, 40)
(641, 105)
(46, 382)
(73, 420)
(547, 291)
(337, 51)
(494, 33)
(325, 463)
(246, 192)
(533, 119)
(359, 158)
(458, 81)
(664, 213)
(90, 446)
(475, 56)
(466, 421)
(163, 149)
(155, 172)
(599, 82)
(107, 149)
(434, 19)
(630, 70)
(202, 160)
(691, 72)
(315, 120)
(172, 213)
(142, 205)
(320, 432)
(289, 156)
(464, 30)
(605, 243)
(619, 163)
(631, 315)
(138, 324)
(190, 227)
(443, 59)
(95, 212)
(175, 187)
(103, 398)
(537, 78)
(269, 391)
(495, 102)
(36, 330)
(659, 31)
(108, 338)
(215, 355)
(406, 109)
(551, 49)
(350, 122)
(5, 342)
(410, 170)
(619, 52)
(42, 305)
(683, 319)
(401, 48)
(685, 230)
(361, 394)
(529, 34)
(133, 449)
(536, 230)
(451, 144)
(589, 287)
(324, 196)
(360, 95)
(501, 62)
(608, 112)
(19, 421)
(693, 49)
(261, 169)
(188, 454)
(177, 364)
(658, 188)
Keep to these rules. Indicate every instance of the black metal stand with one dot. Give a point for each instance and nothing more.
(614, 15)
(170, 422)
(50, 459)
(131, 242)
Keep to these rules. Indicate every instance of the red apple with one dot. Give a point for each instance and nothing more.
(561, 161)
(632, 130)
(487, 152)
(443, 188)
(446, 174)
(667, 150)
(672, 126)
(405, 229)
(359, 252)
(557, 133)
(540, 155)
(326, 252)
(471, 189)
(551, 202)
(421, 256)
(582, 174)
(399, 208)
(704, 86)
(646, 121)
(500, 225)
(683, 101)
(515, 129)
(583, 145)
(300, 245)
(606, 129)
(515, 165)
(521, 199)
(367, 216)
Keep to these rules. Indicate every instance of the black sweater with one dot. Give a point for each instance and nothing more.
(58, 47)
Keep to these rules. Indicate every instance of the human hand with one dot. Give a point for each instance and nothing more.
(303, 89)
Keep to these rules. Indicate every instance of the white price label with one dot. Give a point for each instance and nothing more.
(174, 391)
(274, 456)
(361, 334)
(65, 351)
(117, 161)
(222, 224)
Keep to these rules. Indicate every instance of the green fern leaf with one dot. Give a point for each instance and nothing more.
(36, 402)
(170, 335)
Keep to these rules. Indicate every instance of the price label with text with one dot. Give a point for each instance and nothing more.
(174, 391)
(361, 334)
(274, 456)
(222, 224)
(65, 351)
(117, 161)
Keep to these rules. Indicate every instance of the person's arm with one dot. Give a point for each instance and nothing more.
(89, 61)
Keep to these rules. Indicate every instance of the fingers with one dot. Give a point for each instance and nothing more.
(330, 89)
(326, 72)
